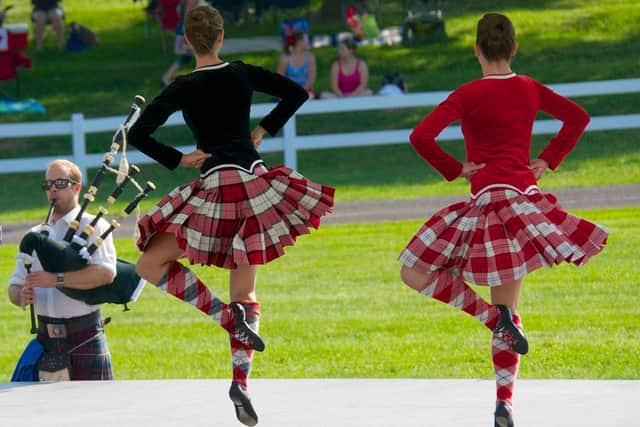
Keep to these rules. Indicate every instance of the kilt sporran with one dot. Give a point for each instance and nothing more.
(54, 367)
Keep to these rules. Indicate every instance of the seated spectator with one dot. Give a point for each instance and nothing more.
(290, 26)
(297, 63)
(48, 12)
(393, 83)
(349, 74)
(363, 25)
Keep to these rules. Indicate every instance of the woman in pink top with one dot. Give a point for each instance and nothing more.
(349, 74)
(508, 228)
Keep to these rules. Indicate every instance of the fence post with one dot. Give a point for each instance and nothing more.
(290, 156)
(79, 146)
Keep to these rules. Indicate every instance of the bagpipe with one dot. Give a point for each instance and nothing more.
(74, 252)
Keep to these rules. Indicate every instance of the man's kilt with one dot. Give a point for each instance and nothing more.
(90, 361)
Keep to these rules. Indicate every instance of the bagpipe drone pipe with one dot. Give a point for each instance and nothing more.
(75, 252)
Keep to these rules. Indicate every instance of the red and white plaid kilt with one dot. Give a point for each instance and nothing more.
(501, 236)
(232, 216)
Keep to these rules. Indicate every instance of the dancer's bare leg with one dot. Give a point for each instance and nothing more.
(158, 255)
(507, 294)
(242, 283)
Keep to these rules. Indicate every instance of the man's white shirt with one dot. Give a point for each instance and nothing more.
(51, 302)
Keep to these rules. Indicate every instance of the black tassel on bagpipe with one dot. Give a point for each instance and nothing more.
(74, 253)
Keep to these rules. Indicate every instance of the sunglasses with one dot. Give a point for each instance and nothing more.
(60, 183)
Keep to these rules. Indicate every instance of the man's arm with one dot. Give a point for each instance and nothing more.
(89, 277)
(20, 295)
(15, 290)
(14, 293)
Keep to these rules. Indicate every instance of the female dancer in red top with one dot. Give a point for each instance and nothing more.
(507, 228)
(238, 214)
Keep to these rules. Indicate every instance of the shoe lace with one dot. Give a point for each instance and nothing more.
(244, 337)
(508, 336)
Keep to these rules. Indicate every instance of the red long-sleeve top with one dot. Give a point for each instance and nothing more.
(497, 115)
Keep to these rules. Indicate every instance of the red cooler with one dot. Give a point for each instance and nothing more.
(13, 40)
(18, 36)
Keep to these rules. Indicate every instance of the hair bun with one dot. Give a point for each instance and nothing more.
(198, 15)
(495, 36)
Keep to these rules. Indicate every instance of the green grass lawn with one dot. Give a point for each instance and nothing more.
(335, 307)
(559, 41)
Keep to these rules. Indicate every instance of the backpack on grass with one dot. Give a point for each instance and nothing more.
(80, 38)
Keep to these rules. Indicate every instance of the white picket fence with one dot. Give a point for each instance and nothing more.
(290, 142)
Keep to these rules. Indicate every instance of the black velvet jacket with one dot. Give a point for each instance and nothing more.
(215, 102)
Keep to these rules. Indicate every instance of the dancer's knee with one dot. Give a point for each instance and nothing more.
(150, 269)
(158, 254)
(412, 278)
(144, 267)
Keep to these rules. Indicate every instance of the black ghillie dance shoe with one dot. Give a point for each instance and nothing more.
(510, 332)
(243, 331)
(244, 409)
(503, 417)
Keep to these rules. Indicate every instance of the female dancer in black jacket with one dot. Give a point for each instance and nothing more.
(238, 214)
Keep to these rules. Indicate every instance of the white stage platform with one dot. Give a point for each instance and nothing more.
(317, 403)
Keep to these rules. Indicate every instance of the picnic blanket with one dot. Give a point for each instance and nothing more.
(8, 106)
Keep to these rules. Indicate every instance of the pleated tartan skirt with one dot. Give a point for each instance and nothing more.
(232, 216)
(500, 236)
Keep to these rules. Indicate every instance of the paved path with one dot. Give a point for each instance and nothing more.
(391, 210)
(388, 36)
(317, 403)
(251, 44)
